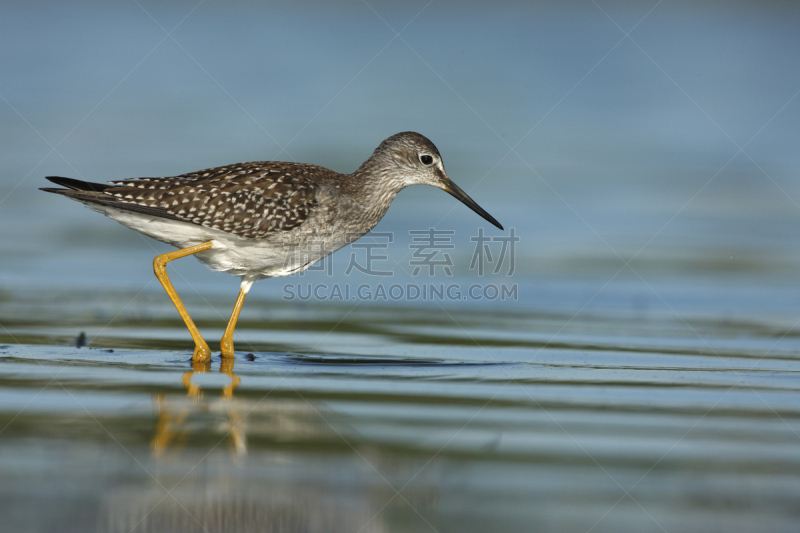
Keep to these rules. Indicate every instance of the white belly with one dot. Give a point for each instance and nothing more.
(250, 258)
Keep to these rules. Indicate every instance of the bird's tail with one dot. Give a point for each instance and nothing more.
(76, 185)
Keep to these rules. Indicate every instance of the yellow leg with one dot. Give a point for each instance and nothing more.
(226, 344)
(201, 351)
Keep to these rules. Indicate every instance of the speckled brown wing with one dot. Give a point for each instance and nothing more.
(249, 200)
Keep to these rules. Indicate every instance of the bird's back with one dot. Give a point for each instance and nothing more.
(248, 200)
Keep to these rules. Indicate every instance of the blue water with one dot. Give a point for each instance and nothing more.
(640, 373)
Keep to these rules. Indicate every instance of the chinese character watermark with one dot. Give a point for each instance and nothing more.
(483, 252)
(370, 247)
(429, 251)
(428, 245)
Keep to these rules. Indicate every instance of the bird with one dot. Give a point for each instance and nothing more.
(264, 219)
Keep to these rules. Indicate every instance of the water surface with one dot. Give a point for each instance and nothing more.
(642, 377)
(394, 418)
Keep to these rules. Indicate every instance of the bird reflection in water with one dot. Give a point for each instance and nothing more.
(176, 413)
(286, 478)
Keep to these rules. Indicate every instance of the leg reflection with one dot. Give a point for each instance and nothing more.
(178, 415)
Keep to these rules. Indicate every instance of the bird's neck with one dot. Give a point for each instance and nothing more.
(375, 186)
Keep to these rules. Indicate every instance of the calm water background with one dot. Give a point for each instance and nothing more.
(643, 376)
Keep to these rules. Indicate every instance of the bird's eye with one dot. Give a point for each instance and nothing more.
(426, 159)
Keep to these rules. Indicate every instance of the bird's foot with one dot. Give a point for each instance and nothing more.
(226, 347)
(201, 353)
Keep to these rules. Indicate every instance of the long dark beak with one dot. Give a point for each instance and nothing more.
(455, 191)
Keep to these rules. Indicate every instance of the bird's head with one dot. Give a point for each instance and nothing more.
(409, 158)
